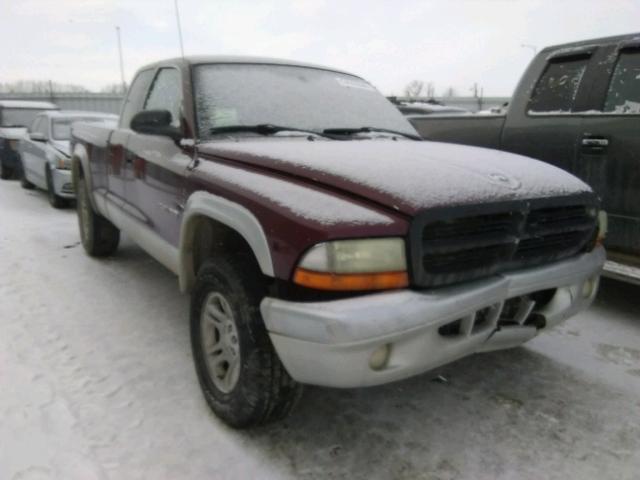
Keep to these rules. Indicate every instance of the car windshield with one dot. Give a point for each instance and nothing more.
(299, 97)
(61, 127)
(18, 117)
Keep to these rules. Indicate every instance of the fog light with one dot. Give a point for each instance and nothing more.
(380, 357)
(588, 286)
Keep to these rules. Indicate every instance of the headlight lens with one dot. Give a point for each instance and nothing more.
(603, 225)
(367, 264)
(63, 163)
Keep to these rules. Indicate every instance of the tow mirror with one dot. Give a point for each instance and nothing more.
(37, 137)
(155, 122)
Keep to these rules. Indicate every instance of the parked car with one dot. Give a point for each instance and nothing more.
(321, 240)
(577, 107)
(429, 108)
(15, 117)
(45, 152)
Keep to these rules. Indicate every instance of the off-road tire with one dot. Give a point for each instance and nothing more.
(55, 201)
(99, 236)
(264, 391)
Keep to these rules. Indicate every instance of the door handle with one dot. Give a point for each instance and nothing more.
(595, 142)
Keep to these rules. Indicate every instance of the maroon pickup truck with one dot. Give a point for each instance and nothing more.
(321, 240)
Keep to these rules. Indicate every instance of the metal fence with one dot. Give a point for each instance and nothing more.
(90, 102)
(111, 102)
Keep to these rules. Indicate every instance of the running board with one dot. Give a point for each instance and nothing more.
(620, 271)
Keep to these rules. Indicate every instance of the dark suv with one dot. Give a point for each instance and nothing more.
(15, 118)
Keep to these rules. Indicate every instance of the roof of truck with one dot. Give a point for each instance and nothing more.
(596, 41)
(202, 59)
(78, 113)
(28, 104)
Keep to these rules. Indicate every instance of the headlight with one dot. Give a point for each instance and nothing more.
(63, 163)
(603, 225)
(368, 264)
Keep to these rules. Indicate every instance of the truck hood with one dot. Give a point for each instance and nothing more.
(408, 176)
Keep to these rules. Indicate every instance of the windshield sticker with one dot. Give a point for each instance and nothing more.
(223, 117)
(355, 84)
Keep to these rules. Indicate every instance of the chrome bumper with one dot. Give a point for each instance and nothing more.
(331, 343)
(62, 183)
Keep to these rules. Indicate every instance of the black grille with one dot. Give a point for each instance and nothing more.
(452, 246)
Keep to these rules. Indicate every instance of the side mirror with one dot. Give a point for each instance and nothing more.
(37, 137)
(155, 122)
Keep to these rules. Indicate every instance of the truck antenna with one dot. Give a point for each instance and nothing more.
(124, 85)
(179, 27)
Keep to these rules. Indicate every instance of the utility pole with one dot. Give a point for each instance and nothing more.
(124, 85)
(179, 27)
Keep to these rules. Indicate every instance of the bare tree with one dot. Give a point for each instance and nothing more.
(450, 92)
(39, 86)
(414, 89)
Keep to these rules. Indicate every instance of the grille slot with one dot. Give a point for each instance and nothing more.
(459, 248)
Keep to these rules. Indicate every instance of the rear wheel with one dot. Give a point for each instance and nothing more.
(241, 376)
(5, 172)
(99, 236)
(55, 200)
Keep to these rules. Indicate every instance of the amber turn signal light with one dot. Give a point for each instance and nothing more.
(351, 281)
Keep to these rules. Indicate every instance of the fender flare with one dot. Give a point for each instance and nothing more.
(81, 156)
(233, 215)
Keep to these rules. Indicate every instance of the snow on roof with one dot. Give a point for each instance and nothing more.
(28, 104)
(205, 59)
(80, 114)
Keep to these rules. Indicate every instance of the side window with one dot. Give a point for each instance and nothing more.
(135, 97)
(623, 95)
(165, 94)
(35, 124)
(43, 127)
(556, 90)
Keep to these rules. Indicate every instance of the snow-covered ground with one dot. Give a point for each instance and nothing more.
(96, 381)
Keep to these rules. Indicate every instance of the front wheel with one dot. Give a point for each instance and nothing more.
(241, 376)
(24, 183)
(55, 200)
(99, 236)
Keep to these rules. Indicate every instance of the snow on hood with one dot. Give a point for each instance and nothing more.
(63, 146)
(406, 175)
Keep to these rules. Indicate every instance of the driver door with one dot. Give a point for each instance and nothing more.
(158, 164)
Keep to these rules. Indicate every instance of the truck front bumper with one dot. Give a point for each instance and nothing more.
(343, 343)
(62, 183)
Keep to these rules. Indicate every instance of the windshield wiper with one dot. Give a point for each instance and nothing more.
(262, 128)
(351, 131)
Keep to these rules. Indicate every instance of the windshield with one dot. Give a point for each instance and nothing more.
(61, 127)
(18, 117)
(297, 97)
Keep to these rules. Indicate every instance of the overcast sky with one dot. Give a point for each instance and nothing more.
(450, 43)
